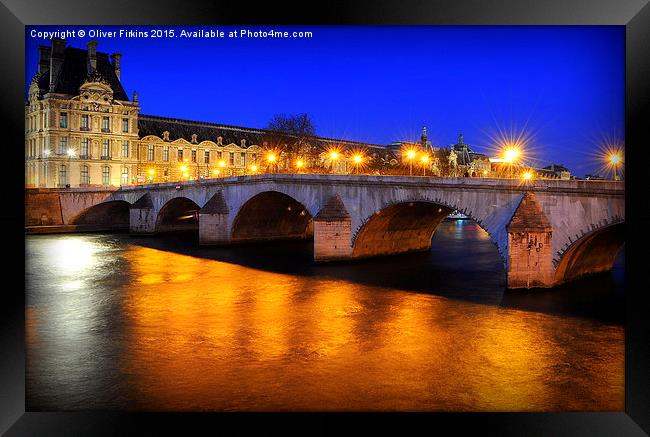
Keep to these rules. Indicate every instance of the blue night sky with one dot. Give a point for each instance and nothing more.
(563, 86)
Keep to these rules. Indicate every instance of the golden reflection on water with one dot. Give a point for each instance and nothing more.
(211, 335)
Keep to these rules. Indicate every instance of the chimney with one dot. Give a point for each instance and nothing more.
(44, 54)
(56, 60)
(92, 56)
(116, 57)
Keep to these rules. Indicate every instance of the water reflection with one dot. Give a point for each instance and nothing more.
(160, 325)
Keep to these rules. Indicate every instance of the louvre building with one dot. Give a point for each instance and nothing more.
(82, 129)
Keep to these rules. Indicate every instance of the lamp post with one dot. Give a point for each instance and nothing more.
(615, 160)
(71, 154)
(46, 155)
(410, 155)
(424, 160)
(357, 159)
(271, 158)
(334, 156)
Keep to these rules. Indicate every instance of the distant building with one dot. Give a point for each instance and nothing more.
(554, 171)
(82, 129)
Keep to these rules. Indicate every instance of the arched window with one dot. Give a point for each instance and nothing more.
(150, 152)
(106, 175)
(85, 175)
(124, 179)
(63, 175)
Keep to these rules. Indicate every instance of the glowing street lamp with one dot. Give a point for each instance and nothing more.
(71, 153)
(253, 168)
(151, 172)
(300, 164)
(527, 175)
(46, 153)
(357, 159)
(271, 158)
(333, 156)
(410, 155)
(615, 159)
(424, 160)
(510, 155)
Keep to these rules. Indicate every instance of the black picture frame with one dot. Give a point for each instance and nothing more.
(16, 14)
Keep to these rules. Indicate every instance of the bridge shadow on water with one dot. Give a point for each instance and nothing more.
(462, 264)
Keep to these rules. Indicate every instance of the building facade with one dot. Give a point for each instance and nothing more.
(82, 130)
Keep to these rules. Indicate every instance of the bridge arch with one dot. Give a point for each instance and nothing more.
(112, 213)
(595, 252)
(271, 215)
(178, 214)
(404, 226)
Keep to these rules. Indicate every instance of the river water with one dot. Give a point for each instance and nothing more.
(119, 322)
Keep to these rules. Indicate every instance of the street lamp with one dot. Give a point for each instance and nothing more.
(527, 175)
(46, 155)
(510, 155)
(151, 173)
(615, 159)
(357, 159)
(333, 156)
(253, 168)
(300, 164)
(410, 155)
(271, 158)
(424, 160)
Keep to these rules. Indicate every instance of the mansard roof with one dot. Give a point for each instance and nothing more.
(178, 128)
(74, 72)
(153, 125)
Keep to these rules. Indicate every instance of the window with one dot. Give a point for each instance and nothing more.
(63, 120)
(232, 158)
(85, 148)
(165, 153)
(242, 159)
(125, 125)
(206, 157)
(219, 155)
(180, 155)
(63, 175)
(124, 179)
(85, 175)
(106, 149)
(105, 124)
(63, 145)
(150, 152)
(106, 175)
(84, 122)
(254, 157)
(125, 149)
(193, 155)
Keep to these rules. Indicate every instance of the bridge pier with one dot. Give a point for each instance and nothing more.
(530, 250)
(142, 219)
(214, 228)
(333, 232)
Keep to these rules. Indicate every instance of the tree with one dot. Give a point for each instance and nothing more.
(292, 135)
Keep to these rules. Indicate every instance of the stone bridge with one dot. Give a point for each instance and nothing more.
(546, 231)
